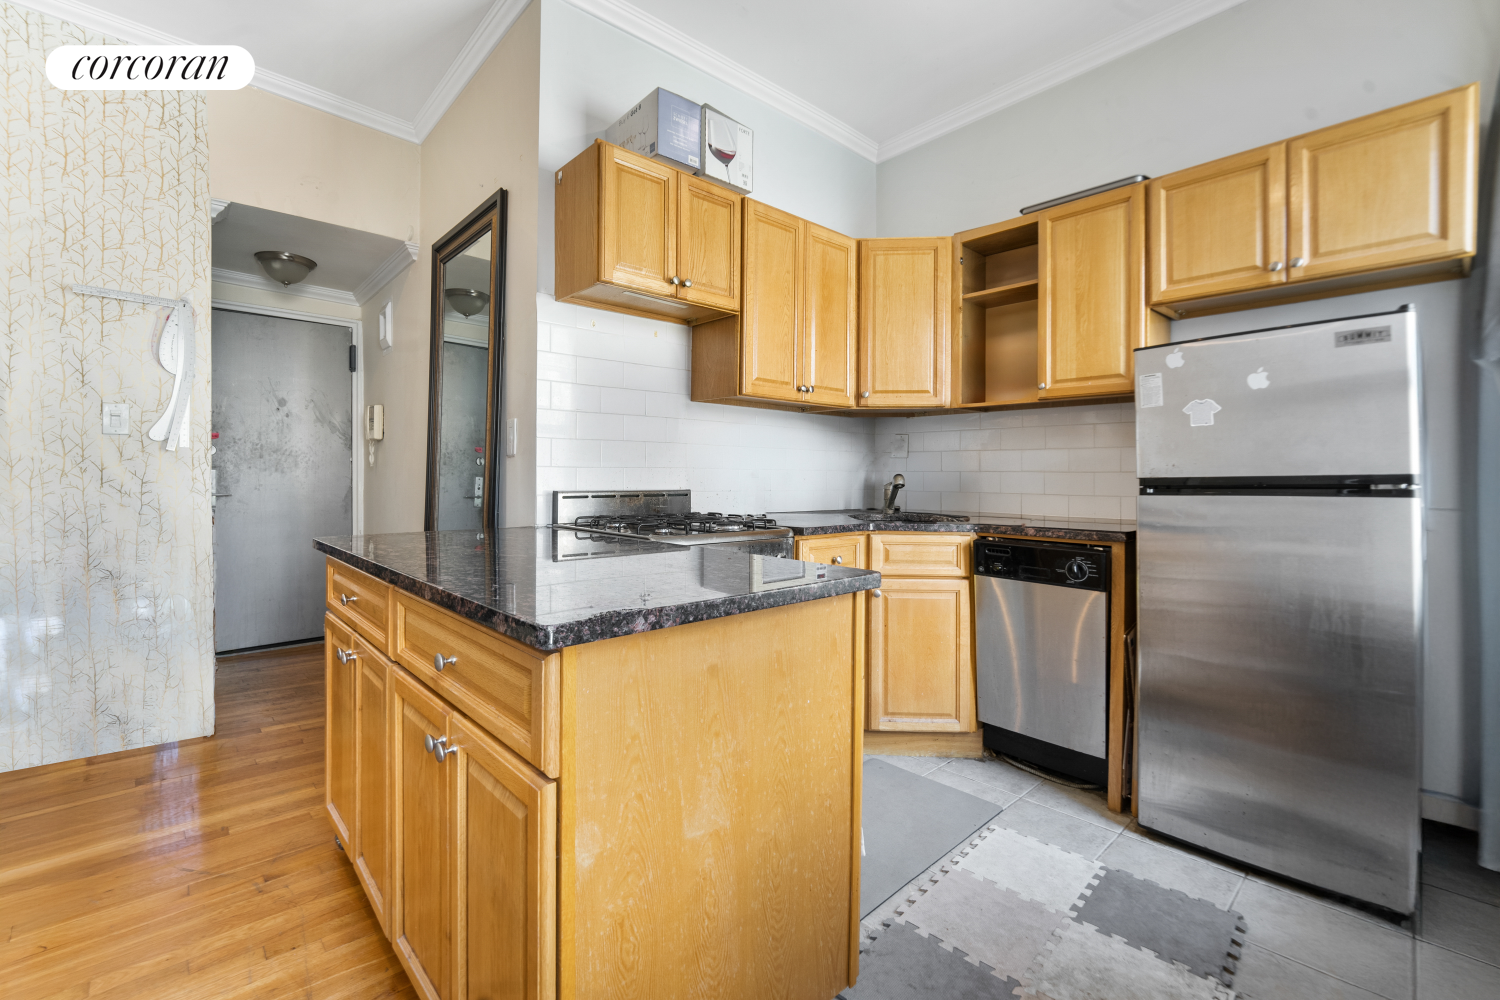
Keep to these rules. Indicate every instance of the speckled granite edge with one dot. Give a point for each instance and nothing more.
(608, 624)
(970, 527)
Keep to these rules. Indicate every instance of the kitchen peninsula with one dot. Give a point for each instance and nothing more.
(577, 766)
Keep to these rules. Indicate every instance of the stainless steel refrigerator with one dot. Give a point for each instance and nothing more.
(1280, 558)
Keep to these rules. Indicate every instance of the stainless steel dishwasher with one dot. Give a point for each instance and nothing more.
(1041, 629)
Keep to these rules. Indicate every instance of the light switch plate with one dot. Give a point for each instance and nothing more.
(901, 446)
(116, 418)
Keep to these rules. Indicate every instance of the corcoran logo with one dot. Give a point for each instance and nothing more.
(150, 67)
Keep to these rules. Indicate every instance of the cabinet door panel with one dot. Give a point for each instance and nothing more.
(339, 734)
(904, 288)
(638, 209)
(1094, 305)
(921, 661)
(708, 244)
(1392, 188)
(507, 872)
(1219, 227)
(770, 319)
(830, 307)
(372, 777)
(835, 550)
(421, 904)
(920, 554)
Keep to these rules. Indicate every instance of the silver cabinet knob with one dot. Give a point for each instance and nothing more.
(876, 592)
(429, 743)
(675, 280)
(1041, 385)
(439, 661)
(345, 655)
(348, 599)
(436, 748)
(442, 753)
(1299, 261)
(687, 283)
(865, 394)
(1275, 265)
(838, 560)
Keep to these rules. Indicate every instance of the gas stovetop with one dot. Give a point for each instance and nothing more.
(661, 516)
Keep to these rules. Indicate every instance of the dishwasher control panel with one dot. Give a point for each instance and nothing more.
(1081, 567)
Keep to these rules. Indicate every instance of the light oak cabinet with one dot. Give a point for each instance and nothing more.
(1388, 198)
(372, 833)
(637, 236)
(921, 669)
(835, 550)
(905, 287)
(795, 338)
(422, 918)
(340, 686)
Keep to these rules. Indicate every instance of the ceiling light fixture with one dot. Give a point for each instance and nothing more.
(287, 268)
(466, 301)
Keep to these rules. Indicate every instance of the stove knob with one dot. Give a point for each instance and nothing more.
(1077, 570)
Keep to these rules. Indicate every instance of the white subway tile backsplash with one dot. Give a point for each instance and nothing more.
(592, 371)
(1023, 438)
(556, 424)
(983, 440)
(600, 426)
(1092, 459)
(925, 461)
(1099, 507)
(1070, 436)
(1002, 461)
(1022, 482)
(941, 440)
(577, 454)
(1115, 435)
(568, 396)
(1034, 505)
(556, 367)
(1043, 460)
(1119, 484)
(613, 400)
(960, 461)
(1073, 484)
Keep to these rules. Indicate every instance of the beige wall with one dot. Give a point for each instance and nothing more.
(273, 153)
(486, 141)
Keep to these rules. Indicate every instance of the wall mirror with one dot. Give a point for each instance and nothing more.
(468, 366)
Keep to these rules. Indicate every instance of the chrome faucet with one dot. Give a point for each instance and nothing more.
(897, 483)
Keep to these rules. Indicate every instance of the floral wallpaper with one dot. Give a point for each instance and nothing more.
(106, 561)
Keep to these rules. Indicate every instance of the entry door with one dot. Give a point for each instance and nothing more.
(282, 407)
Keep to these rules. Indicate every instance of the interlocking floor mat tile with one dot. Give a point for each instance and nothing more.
(989, 923)
(1172, 924)
(1079, 963)
(1033, 870)
(903, 965)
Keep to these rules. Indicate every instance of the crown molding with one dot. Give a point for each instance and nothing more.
(216, 208)
(662, 35)
(492, 28)
(340, 107)
(1107, 50)
(318, 292)
(404, 257)
(86, 16)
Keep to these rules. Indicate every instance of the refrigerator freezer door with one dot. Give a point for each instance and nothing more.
(1043, 661)
(1280, 658)
(1331, 399)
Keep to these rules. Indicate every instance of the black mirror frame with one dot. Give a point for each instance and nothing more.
(492, 215)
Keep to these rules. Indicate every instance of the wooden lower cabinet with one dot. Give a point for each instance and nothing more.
(921, 668)
(340, 674)
(422, 919)
(372, 829)
(850, 550)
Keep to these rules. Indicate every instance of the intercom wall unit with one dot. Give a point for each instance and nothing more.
(375, 422)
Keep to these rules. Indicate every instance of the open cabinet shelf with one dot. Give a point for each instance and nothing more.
(997, 292)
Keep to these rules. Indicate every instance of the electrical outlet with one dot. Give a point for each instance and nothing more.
(899, 450)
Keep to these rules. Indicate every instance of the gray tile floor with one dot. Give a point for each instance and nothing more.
(1300, 945)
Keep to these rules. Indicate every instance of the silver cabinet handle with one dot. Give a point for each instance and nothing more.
(865, 394)
(838, 560)
(1275, 265)
(877, 592)
(429, 742)
(687, 283)
(1041, 385)
(440, 661)
(436, 748)
(345, 655)
(675, 280)
(346, 599)
(1299, 261)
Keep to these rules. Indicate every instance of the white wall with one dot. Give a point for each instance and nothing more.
(613, 413)
(1260, 72)
(1066, 461)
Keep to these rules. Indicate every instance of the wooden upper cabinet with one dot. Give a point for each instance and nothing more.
(639, 205)
(506, 859)
(770, 365)
(630, 232)
(1093, 313)
(1219, 227)
(904, 291)
(830, 306)
(1393, 188)
(708, 244)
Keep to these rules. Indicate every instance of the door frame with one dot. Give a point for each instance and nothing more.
(356, 338)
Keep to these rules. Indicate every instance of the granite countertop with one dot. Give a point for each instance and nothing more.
(553, 588)
(833, 522)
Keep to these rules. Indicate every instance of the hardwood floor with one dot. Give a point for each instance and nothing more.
(195, 870)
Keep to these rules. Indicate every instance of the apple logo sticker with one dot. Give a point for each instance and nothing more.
(1258, 379)
(1175, 359)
